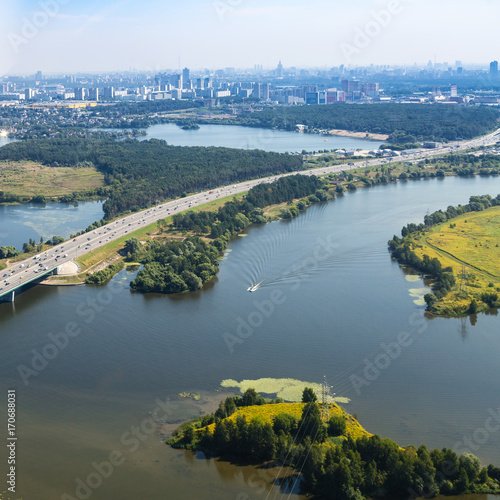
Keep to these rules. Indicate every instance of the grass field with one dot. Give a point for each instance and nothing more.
(470, 245)
(29, 179)
(267, 412)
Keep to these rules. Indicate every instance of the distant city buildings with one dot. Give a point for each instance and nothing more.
(250, 89)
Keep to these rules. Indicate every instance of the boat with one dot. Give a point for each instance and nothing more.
(253, 288)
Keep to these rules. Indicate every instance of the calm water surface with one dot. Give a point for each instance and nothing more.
(254, 138)
(19, 223)
(342, 298)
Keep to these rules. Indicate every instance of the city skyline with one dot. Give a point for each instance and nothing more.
(60, 36)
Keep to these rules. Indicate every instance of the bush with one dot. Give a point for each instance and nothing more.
(337, 426)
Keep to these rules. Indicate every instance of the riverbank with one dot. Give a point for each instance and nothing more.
(359, 135)
(332, 454)
(461, 256)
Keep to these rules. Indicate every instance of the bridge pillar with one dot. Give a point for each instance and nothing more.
(10, 297)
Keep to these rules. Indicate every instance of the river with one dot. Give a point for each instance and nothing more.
(254, 138)
(342, 300)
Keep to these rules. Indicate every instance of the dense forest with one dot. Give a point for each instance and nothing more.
(143, 173)
(402, 249)
(334, 465)
(177, 266)
(404, 123)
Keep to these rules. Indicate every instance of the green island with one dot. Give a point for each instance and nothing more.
(140, 174)
(460, 250)
(334, 456)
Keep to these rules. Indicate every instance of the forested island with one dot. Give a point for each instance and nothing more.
(404, 123)
(175, 266)
(459, 250)
(142, 173)
(335, 456)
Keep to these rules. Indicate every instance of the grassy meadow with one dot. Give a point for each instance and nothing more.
(470, 245)
(28, 179)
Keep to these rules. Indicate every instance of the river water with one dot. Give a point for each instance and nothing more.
(254, 138)
(106, 389)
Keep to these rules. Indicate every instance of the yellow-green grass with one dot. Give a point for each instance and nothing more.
(102, 253)
(25, 179)
(267, 412)
(471, 243)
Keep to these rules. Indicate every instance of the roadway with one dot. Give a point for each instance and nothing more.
(23, 272)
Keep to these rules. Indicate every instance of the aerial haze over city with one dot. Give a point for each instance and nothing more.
(250, 250)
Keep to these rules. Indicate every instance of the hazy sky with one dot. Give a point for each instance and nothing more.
(106, 35)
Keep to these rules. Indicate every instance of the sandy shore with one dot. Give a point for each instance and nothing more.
(359, 135)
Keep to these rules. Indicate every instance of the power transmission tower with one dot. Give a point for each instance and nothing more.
(463, 280)
(325, 405)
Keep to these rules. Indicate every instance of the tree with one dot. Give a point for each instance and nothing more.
(308, 395)
(311, 425)
(250, 397)
(337, 425)
(132, 246)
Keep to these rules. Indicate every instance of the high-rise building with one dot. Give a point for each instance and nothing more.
(109, 93)
(176, 81)
(185, 74)
(350, 85)
(257, 90)
(279, 70)
(453, 90)
(80, 94)
(39, 76)
(494, 69)
(94, 94)
(266, 91)
(370, 89)
(28, 94)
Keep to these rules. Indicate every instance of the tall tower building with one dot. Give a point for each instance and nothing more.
(279, 70)
(494, 69)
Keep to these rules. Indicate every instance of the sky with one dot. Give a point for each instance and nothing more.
(69, 36)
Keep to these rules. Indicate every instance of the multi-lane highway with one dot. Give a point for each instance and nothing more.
(21, 273)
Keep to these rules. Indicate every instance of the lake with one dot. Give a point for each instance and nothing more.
(113, 387)
(254, 138)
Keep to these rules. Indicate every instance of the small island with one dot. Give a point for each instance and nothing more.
(459, 249)
(331, 452)
(188, 125)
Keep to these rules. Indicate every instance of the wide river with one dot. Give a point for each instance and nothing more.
(105, 390)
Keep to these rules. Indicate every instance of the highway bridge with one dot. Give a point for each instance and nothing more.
(19, 275)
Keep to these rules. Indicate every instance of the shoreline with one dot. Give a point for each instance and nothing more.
(372, 136)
